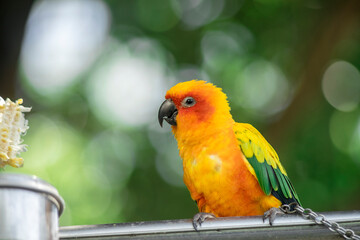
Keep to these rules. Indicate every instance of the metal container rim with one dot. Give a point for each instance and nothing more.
(32, 183)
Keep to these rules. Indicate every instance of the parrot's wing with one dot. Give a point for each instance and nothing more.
(264, 164)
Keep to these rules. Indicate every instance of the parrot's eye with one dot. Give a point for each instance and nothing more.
(188, 102)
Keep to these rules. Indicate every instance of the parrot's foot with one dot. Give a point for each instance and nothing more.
(199, 218)
(271, 214)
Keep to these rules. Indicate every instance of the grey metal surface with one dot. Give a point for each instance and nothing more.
(29, 208)
(285, 227)
(32, 183)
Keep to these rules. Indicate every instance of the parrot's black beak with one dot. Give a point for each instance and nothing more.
(168, 111)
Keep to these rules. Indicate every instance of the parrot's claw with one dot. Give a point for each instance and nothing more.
(271, 214)
(199, 218)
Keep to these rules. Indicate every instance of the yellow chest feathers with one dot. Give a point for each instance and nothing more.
(204, 172)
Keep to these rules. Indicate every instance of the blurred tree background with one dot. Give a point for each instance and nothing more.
(95, 73)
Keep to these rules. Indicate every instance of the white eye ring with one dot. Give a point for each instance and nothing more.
(188, 102)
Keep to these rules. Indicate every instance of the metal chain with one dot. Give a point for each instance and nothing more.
(319, 219)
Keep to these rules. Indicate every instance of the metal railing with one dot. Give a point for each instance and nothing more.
(288, 226)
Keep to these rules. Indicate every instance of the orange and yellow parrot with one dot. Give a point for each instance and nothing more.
(229, 167)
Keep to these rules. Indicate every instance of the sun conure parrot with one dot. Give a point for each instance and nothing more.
(229, 167)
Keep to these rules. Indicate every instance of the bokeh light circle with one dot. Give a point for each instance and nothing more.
(345, 132)
(341, 86)
(197, 13)
(62, 39)
(262, 88)
(127, 88)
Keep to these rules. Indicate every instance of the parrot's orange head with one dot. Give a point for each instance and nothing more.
(191, 104)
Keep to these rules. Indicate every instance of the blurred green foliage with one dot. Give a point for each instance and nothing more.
(94, 135)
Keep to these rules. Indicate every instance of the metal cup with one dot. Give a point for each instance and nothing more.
(29, 208)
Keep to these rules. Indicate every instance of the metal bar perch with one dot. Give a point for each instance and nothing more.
(285, 227)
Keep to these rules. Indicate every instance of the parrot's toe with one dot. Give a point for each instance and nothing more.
(199, 218)
(271, 214)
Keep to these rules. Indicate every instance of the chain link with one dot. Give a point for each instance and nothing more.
(319, 219)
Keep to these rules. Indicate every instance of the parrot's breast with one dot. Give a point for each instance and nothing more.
(220, 182)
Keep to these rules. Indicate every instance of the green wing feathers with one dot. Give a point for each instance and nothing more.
(264, 163)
